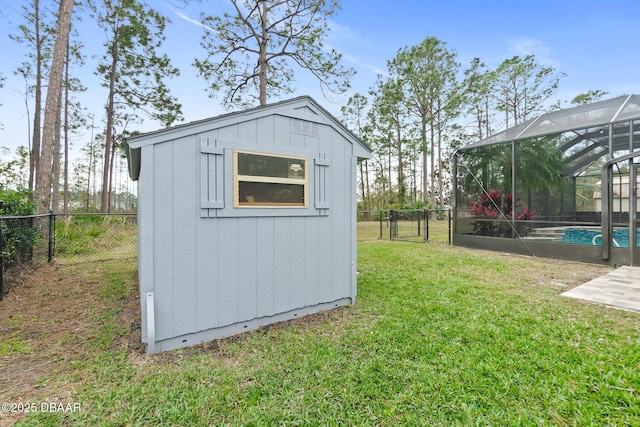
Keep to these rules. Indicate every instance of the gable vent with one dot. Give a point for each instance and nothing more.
(305, 127)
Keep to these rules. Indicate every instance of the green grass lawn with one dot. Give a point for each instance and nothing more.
(439, 336)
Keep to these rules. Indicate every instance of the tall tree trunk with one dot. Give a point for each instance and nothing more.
(440, 165)
(55, 167)
(106, 171)
(52, 110)
(414, 172)
(37, 115)
(487, 126)
(368, 198)
(425, 153)
(362, 188)
(111, 173)
(441, 121)
(262, 57)
(65, 198)
(90, 166)
(432, 173)
(402, 188)
(29, 153)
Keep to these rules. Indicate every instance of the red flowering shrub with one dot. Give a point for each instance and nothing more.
(491, 208)
(527, 214)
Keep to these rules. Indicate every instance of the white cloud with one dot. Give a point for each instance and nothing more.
(343, 39)
(342, 33)
(376, 70)
(192, 21)
(523, 46)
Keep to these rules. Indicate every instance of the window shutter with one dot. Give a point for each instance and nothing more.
(212, 178)
(321, 184)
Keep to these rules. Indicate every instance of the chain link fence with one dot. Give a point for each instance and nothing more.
(417, 225)
(30, 241)
(83, 238)
(27, 242)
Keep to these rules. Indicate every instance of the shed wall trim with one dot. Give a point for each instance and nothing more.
(151, 325)
(321, 187)
(206, 149)
(240, 327)
(211, 177)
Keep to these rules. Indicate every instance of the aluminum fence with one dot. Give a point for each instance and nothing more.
(416, 225)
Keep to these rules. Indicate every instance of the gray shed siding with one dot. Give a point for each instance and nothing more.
(215, 267)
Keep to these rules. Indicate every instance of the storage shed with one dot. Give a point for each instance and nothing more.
(244, 219)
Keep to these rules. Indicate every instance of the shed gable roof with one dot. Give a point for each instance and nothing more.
(303, 107)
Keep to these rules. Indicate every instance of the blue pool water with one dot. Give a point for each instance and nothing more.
(582, 236)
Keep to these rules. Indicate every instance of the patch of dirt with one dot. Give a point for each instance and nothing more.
(51, 315)
(559, 274)
(16, 276)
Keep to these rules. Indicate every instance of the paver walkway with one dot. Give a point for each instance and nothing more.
(619, 289)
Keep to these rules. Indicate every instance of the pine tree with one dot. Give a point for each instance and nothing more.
(133, 72)
(251, 53)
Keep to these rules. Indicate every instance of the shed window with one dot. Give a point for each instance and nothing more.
(267, 180)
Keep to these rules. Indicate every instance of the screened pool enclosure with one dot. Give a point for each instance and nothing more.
(561, 185)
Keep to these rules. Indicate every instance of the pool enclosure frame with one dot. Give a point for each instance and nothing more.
(525, 190)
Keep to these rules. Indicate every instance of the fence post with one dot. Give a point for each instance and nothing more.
(392, 224)
(381, 219)
(449, 215)
(51, 231)
(426, 224)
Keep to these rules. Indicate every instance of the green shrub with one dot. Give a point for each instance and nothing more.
(19, 234)
(17, 202)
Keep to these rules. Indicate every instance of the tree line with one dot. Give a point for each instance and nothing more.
(248, 54)
(424, 107)
(131, 69)
(427, 105)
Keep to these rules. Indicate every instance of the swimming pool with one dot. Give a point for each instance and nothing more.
(585, 236)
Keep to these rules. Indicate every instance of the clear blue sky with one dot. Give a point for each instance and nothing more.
(595, 43)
